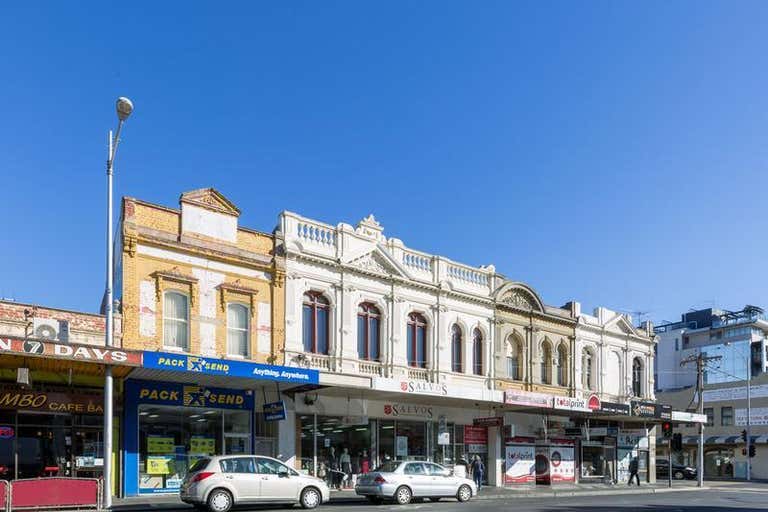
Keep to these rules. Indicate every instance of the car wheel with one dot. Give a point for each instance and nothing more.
(310, 498)
(464, 493)
(403, 495)
(220, 500)
(679, 475)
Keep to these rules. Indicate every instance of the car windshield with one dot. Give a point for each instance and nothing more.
(199, 465)
(388, 467)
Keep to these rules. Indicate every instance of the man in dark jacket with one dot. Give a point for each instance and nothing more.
(633, 471)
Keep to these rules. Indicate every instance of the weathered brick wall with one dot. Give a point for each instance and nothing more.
(16, 319)
(204, 267)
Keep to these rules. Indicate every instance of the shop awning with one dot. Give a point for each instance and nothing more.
(713, 440)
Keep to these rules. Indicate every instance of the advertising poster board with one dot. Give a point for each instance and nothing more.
(561, 463)
(520, 467)
(159, 444)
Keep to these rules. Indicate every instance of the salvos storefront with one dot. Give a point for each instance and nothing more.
(397, 420)
(555, 439)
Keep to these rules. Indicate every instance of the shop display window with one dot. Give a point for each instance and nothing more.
(172, 439)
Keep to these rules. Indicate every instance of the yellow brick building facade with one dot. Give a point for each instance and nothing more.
(184, 274)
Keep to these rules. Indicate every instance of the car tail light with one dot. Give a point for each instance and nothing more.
(379, 480)
(199, 477)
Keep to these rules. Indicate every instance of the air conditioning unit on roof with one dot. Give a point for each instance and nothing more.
(50, 329)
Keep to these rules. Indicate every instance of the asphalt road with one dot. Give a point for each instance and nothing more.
(740, 497)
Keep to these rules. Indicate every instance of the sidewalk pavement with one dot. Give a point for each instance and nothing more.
(171, 503)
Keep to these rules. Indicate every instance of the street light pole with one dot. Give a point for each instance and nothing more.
(749, 416)
(124, 109)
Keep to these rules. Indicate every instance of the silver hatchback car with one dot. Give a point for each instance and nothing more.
(401, 481)
(218, 483)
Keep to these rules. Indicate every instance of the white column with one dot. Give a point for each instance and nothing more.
(496, 456)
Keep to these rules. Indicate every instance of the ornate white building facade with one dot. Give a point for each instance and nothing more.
(614, 359)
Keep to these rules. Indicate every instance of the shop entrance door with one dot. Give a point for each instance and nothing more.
(236, 444)
(43, 450)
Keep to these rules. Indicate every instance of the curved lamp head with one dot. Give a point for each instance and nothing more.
(124, 108)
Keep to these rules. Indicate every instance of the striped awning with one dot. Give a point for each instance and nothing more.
(731, 440)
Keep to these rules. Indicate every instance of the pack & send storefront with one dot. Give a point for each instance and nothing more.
(170, 425)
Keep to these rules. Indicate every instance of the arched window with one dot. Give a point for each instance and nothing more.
(477, 352)
(237, 330)
(562, 365)
(546, 363)
(637, 377)
(417, 340)
(176, 320)
(315, 323)
(457, 346)
(515, 360)
(368, 339)
(587, 370)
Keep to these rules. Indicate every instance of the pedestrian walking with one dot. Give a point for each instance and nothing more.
(478, 471)
(633, 471)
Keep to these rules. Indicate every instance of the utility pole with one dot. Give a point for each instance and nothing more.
(701, 360)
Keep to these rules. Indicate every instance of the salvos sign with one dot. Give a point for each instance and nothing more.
(69, 351)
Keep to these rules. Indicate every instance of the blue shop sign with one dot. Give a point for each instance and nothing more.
(228, 368)
(187, 395)
(274, 411)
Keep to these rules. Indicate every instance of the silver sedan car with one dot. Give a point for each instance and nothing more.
(218, 483)
(401, 481)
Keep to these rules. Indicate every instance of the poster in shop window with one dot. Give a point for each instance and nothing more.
(159, 444)
(159, 465)
(520, 466)
(202, 445)
(401, 450)
(625, 456)
(561, 465)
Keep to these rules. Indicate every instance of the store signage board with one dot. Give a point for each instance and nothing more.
(475, 435)
(614, 408)
(571, 404)
(493, 421)
(274, 411)
(412, 387)
(202, 445)
(512, 397)
(444, 438)
(664, 412)
(520, 463)
(736, 393)
(689, 417)
(228, 368)
(7, 432)
(758, 416)
(70, 351)
(54, 401)
(397, 410)
(172, 393)
(644, 409)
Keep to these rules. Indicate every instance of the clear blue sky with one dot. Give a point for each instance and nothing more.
(611, 152)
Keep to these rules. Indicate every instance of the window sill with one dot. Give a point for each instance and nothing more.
(174, 349)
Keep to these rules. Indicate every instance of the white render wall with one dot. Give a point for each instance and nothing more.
(350, 266)
(614, 343)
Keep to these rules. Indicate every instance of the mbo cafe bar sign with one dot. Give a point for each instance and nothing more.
(228, 368)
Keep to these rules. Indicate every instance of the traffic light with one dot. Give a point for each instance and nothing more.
(751, 450)
(666, 429)
(677, 442)
(744, 435)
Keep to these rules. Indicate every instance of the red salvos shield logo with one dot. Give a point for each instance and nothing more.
(594, 403)
(404, 386)
(387, 409)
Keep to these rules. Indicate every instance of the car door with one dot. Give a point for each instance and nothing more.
(418, 479)
(240, 472)
(443, 483)
(278, 482)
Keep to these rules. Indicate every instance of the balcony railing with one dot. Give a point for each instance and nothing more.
(370, 368)
(418, 374)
